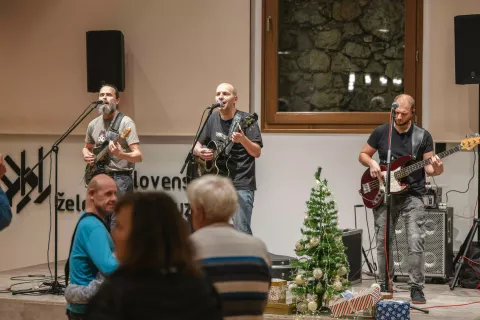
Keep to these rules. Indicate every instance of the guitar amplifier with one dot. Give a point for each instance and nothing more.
(352, 239)
(438, 245)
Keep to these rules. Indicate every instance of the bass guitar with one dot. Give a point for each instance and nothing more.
(219, 164)
(101, 157)
(372, 189)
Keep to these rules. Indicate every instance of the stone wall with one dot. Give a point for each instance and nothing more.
(322, 41)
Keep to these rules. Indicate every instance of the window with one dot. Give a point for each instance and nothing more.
(335, 66)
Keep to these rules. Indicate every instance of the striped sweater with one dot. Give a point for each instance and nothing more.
(239, 267)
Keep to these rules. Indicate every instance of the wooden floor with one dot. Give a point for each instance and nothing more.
(49, 306)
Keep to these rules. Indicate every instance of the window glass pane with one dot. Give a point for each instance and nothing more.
(340, 56)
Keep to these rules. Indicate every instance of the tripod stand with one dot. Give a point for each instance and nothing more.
(371, 268)
(55, 287)
(462, 253)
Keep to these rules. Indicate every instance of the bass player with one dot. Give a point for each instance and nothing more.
(407, 139)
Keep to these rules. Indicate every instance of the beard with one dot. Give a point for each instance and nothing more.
(401, 124)
(107, 108)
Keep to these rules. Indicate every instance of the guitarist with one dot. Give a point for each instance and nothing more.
(407, 139)
(245, 148)
(122, 155)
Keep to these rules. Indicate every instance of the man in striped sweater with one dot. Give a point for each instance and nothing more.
(238, 264)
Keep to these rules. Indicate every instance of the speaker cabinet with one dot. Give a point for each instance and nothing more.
(105, 59)
(467, 49)
(352, 239)
(438, 245)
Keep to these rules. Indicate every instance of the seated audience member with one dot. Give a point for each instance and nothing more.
(238, 264)
(5, 210)
(92, 247)
(157, 277)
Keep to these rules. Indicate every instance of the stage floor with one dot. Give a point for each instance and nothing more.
(48, 306)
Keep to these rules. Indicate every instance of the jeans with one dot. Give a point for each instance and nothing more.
(413, 212)
(243, 216)
(124, 185)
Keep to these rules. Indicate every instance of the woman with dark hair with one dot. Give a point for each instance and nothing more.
(157, 277)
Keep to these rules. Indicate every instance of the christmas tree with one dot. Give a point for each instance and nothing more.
(322, 268)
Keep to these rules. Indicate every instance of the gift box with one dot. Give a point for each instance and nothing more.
(362, 300)
(278, 291)
(392, 309)
(341, 307)
(366, 299)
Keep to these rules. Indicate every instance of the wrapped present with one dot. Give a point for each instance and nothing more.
(341, 307)
(366, 299)
(392, 309)
(278, 291)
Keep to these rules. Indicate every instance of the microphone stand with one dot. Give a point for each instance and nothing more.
(55, 287)
(388, 202)
(190, 160)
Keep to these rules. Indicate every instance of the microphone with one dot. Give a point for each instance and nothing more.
(216, 105)
(395, 105)
(99, 102)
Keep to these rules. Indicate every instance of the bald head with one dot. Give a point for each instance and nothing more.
(99, 181)
(228, 87)
(101, 195)
(406, 100)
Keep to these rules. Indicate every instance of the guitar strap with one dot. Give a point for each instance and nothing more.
(417, 138)
(67, 264)
(233, 127)
(116, 123)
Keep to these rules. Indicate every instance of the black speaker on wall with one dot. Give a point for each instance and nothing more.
(467, 49)
(105, 59)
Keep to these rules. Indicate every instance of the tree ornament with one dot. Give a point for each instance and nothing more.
(314, 242)
(338, 239)
(319, 287)
(342, 271)
(317, 273)
(299, 279)
(337, 285)
(302, 307)
(312, 306)
(298, 246)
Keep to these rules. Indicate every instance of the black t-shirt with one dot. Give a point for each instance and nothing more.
(402, 145)
(241, 164)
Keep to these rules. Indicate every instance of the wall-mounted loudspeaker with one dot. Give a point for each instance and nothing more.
(467, 49)
(105, 59)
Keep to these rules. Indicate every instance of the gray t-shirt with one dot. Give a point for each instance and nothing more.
(97, 134)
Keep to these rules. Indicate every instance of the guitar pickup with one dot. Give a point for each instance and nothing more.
(366, 188)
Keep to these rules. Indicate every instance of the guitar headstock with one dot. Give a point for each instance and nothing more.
(470, 143)
(125, 133)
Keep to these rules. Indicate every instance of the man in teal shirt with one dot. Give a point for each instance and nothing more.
(92, 247)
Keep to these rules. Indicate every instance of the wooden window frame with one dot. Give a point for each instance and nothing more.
(334, 122)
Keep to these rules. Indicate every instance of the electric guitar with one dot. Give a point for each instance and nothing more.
(373, 192)
(101, 157)
(219, 163)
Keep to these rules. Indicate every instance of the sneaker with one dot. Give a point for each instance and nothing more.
(416, 293)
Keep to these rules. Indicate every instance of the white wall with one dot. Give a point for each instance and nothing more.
(285, 175)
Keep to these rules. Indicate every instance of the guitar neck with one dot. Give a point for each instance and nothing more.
(102, 153)
(405, 172)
